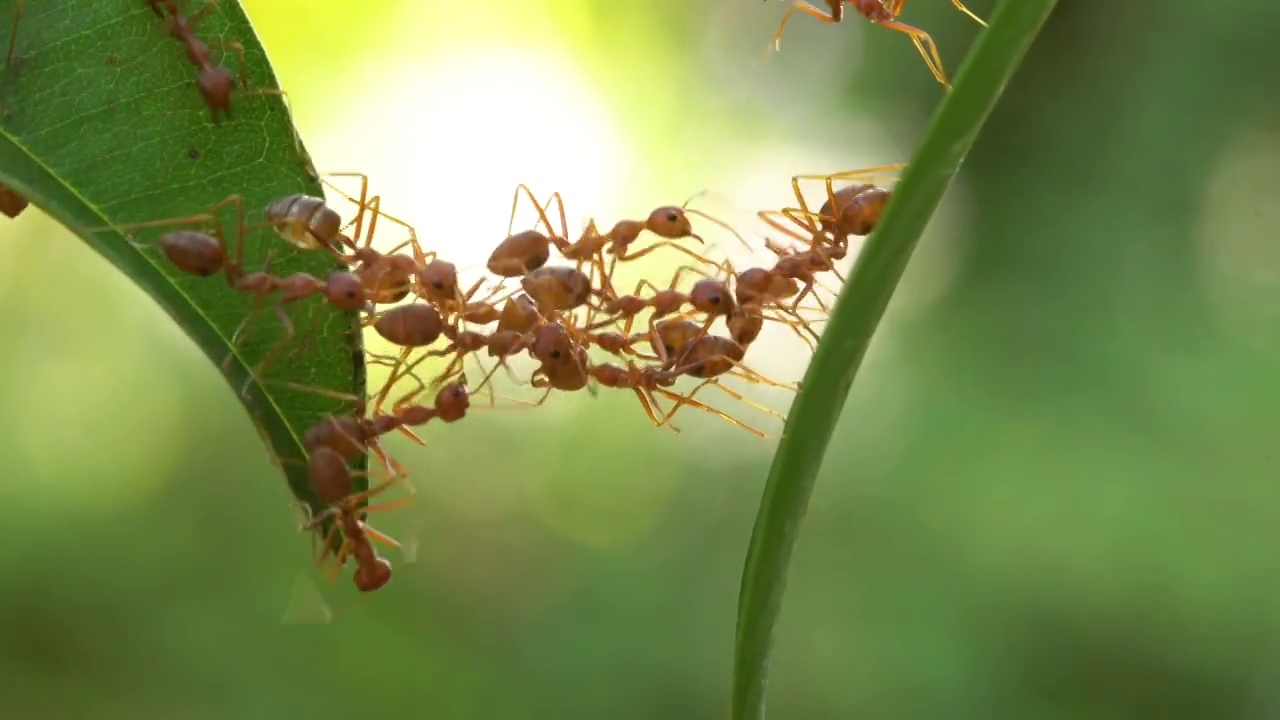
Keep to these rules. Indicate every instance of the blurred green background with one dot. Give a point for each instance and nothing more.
(1050, 495)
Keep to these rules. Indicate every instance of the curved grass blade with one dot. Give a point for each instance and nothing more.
(103, 125)
(983, 76)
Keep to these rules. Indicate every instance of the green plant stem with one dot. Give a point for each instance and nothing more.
(982, 78)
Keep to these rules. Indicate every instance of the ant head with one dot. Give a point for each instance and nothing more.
(216, 84)
(551, 343)
(711, 296)
(670, 222)
(452, 401)
(368, 578)
(441, 279)
(345, 291)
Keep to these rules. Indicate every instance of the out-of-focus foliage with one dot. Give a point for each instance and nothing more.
(1051, 495)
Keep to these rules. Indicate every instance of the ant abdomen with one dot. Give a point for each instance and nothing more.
(371, 576)
(416, 325)
(304, 221)
(520, 254)
(193, 252)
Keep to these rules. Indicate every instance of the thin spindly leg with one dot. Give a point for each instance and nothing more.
(722, 224)
(925, 45)
(803, 7)
(380, 537)
(866, 174)
(362, 203)
(664, 243)
(687, 401)
(542, 216)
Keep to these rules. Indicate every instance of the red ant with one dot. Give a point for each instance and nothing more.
(331, 481)
(524, 252)
(11, 203)
(352, 436)
(215, 82)
(852, 210)
(877, 12)
(197, 252)
(343, 291)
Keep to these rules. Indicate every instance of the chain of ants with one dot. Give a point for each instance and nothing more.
(541, 318)
(539, 321)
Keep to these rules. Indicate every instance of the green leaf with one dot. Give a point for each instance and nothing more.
(983, 76)
(103, 126)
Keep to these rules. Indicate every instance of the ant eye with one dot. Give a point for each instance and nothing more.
(438, 285)
(715, 299)
(555, 354)
(673, 216)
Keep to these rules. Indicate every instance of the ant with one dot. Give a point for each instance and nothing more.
(877, 12)
(215, 82)
(11, 203)
(708, 296)
(342, 290)
(501, 344)
(390, 272)
(331, 481)
(852, 210)
(351, 436)
(197, 252)
(527, 251)
(308, 223)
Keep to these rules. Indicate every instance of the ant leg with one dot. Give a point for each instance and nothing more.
(358, 221)
(959, 6)
(280, 344)
(744, 400)
(767, 216)
(651, 408)
(380, 537)
(925, 45)
(859, 174)
(806, 8)
(234, 267)
(399, 477)
(13, 34)
(721, 223)
(664, 243)
(688, 401)
(542, 216)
